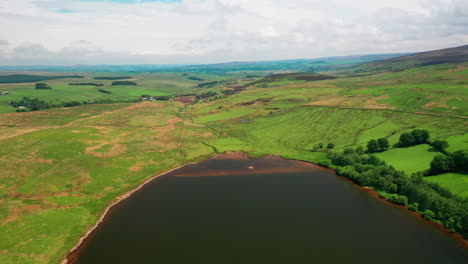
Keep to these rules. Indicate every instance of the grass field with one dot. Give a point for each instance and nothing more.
(457, 183)
(154, 84)
(60, 168)
(409, 160)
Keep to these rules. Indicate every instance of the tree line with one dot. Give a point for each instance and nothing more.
(442, 163)
(431, 200)
(27, 104)
(92, 84)
(124, 83)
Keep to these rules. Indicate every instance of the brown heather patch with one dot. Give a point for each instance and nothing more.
(116, 149)
(128, 108)
(431, 105)
(458, 69)
(10, 133)
(373, 103)
(330, 101)
(16, 212)
(375, 83)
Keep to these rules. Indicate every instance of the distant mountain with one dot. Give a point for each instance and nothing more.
(309, 65)
(304, 65)
(450, 55)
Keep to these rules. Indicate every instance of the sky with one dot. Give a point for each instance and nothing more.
(70, 32)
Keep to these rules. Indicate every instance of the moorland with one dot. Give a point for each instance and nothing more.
(68, 152)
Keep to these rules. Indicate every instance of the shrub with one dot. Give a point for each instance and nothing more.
(440, 144)
(441, 164)
(406, 140)
(399, 199)
(105, 91)
(429, 215)
(413, 207)
(373, 146)
(42, 86)
(70, 104)
(124, 83)
(383, 144)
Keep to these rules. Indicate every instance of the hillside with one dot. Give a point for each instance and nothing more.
(457, 55)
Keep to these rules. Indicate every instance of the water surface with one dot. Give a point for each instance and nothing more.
(266, 210)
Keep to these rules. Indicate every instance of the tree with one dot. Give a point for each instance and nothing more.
(360, 150)
(440, 144)
(398, 199)
(406, 140)
(393, 188)
(413, 207)
(441, 164)
(373, 146)
(347, 151)
(42, 86)
(383, 144)
(428, 215)
(460, 160)
(425, 136)
(420, 136)
(330, 145)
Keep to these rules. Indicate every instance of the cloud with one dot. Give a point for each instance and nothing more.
(202, 31)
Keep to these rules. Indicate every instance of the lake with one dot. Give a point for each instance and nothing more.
(267, 210)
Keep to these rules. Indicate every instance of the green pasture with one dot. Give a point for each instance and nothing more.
(455, 182)
(411, 159)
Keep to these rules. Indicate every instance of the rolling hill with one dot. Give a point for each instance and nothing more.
(457, 55)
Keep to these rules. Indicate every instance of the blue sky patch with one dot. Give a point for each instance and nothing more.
(64, 11)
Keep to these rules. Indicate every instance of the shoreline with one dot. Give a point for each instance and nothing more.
(242, 155)
(372, 192)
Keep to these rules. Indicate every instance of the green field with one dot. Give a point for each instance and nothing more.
(60, 168)
(409, 160)
(455, 182)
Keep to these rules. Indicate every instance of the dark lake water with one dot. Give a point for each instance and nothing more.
(277, 211)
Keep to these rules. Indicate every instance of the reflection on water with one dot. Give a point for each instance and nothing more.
(266, 210)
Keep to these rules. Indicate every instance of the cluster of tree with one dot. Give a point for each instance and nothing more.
(196, 79)
(320, 146)
(451, 162)
(440, 145)
(415, 137)
(162, 98)
(378, 145)
(30, 104)
(206, 95)
(71, 104)
(33, 104)
(112, 78)
(105, 91)
(158, 98)
(24, 78)
(207, 84)
(42, 86)
(124, 83)
(93, 84)
(430, 199)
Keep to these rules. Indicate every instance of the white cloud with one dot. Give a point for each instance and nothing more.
(204, 31)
